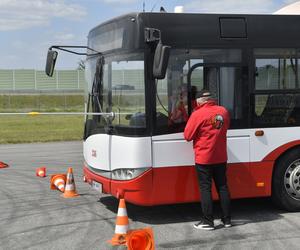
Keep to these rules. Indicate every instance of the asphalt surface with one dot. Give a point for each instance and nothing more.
(34, 217)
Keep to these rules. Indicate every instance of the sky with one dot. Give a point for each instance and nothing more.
(29, 27)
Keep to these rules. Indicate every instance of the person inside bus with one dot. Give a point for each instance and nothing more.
(207, 128)
(179, 107)
(178, 100)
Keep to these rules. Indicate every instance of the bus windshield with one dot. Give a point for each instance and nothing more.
(121, 91)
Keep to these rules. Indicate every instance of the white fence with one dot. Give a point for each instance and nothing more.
(34, 80)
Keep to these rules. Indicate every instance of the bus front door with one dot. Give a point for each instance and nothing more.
(225, 83)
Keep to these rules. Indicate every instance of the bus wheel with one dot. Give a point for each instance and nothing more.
(286, 181)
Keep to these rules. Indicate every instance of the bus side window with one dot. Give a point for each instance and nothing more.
(276, 90)
(277, 110)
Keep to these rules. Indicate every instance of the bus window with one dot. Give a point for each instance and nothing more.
(276, 101)
(172, 104)
(128, 96)
(225, 84)
(198, 74)
(276, 69)
(121, 92)
(275, 110)
(203, 77)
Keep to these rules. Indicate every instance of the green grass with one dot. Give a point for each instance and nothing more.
(43, 102)
(27, 129)
(41, 128)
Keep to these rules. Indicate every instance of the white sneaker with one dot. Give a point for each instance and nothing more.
(204, 225)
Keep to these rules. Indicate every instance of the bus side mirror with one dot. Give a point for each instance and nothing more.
(160, 62)
(50, 63)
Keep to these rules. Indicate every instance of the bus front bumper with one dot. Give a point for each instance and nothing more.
(137, 191)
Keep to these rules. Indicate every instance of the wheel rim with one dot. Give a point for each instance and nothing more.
(292, 180)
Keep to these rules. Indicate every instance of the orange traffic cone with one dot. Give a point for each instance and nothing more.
(58, 181)
(122, 225)
(41, 172)
(3, 165)
(70, 189)
(140, 239)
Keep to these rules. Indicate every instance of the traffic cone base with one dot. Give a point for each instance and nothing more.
(118, 240)
(3, 165)
(58, 181)
(122, 225)
(70, 190)
(41, 172)
(70, 194)
(140, 239)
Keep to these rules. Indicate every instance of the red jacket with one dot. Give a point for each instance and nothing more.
(207, 127)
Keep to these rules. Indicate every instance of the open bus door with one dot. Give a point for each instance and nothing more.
(225, 83)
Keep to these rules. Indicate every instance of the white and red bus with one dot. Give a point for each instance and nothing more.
(251, 63)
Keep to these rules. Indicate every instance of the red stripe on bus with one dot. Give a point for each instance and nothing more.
(170, 185)
(278, 151)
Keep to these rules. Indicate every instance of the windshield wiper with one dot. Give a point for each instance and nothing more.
(97, 90)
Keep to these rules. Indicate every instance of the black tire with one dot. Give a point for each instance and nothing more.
(286, 170)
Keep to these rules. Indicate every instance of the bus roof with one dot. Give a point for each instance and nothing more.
(207, 30)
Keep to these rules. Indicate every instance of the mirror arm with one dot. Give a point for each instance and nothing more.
(63, 48)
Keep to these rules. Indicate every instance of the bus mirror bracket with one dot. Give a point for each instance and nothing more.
(152, 35)
(161, 55)
(160, 62)
(52, 55)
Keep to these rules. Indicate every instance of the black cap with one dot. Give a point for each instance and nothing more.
(203, 93)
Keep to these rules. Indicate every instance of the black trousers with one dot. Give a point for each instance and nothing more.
(217, 172)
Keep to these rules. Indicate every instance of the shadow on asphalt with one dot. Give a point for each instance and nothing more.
(244, 211)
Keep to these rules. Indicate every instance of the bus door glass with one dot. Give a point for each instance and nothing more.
(225, 84)
(203, 78)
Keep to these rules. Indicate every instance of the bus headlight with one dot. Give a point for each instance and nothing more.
(127, 173)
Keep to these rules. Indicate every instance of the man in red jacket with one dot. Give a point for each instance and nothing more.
(207, 128)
